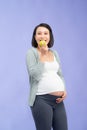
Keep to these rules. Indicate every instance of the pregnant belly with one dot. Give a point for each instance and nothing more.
(57, 93)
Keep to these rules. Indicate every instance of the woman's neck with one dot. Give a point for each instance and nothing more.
(43, 50)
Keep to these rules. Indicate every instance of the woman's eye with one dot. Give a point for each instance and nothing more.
(39, 33)
(45, 33)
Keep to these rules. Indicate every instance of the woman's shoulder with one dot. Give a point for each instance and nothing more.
(55, 52)
(31, 51)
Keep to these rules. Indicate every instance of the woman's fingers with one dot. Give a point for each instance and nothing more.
(58, 100)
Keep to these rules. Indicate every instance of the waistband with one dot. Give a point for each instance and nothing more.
(48, 96)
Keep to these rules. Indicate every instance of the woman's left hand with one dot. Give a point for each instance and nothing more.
(58, 100)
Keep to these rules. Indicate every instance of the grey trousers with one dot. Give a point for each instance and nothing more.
(48, 114)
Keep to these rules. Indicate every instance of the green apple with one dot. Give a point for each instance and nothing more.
(42, 43)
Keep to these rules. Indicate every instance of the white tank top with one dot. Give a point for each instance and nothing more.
(50, 81)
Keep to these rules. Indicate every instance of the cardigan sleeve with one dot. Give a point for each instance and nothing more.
(34, 66)
(60, 70)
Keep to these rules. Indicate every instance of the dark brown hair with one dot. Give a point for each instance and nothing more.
(51, 42)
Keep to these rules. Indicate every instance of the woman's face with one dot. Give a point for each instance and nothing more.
(42, 33)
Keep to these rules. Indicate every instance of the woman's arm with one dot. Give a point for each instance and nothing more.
(34, 66)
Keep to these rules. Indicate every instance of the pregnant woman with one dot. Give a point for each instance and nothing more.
(47, 87)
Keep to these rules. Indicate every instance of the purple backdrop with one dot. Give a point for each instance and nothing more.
(68, 19)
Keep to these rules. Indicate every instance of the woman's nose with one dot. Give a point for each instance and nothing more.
(42, 36)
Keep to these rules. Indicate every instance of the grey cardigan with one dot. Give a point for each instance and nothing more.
(35, 70)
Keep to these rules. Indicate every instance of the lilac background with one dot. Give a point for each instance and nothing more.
(68, 19)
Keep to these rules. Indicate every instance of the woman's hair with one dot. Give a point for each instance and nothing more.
(51, 42)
